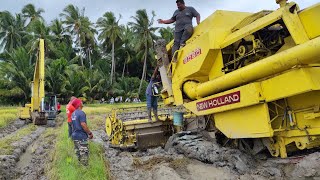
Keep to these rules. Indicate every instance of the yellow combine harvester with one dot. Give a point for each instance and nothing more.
(254, 77)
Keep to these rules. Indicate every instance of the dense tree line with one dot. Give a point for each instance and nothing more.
(86, 59)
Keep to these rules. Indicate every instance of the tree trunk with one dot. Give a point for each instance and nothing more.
(124, 67)
(90, 63)
(144, 68)
(80, 49)
(112, 64)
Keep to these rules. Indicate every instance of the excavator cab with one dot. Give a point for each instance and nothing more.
(49, 105)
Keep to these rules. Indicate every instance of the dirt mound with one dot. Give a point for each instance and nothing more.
(11, 128)
(308, 167)
(196, 147)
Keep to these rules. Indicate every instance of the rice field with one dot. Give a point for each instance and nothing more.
(7, 115)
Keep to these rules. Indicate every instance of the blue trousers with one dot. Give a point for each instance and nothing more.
(152, 102)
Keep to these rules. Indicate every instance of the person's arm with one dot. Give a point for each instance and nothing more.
(168, 21)
(84, 125)
(155, 72)
(198, 19)
(86, 129)
(195, 14)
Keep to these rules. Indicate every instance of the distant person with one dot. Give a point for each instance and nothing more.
(112, 100)
(69, 110)
(80, 133)
(152, 100)
(102, 101)
(58, 108)
(183, 28)
(128, 100)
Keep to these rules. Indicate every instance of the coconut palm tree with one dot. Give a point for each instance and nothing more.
(59, 32)
(110, 31)
(29, 11)
(18, 71)
(77, 24)
(56, 76)
(38, 30)
(11, 30)
(143, 27)
(167, 33)
(87, 39)
(127, 48)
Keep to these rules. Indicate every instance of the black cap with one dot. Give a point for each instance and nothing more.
(180, 1)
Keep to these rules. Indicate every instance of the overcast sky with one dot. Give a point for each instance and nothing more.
(127, 8)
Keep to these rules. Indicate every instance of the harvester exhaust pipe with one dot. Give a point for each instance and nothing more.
(306, 53)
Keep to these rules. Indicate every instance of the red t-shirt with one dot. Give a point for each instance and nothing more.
(70, 110)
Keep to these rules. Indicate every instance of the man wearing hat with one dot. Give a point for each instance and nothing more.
(183, 18)
(80, 132)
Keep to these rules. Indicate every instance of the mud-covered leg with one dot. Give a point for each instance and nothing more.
(84, 152)
(76, 148)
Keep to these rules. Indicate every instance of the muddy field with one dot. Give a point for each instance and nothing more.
(30, 155)
(186, 156)
(193, 157)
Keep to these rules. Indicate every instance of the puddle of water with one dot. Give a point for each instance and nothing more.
(26, 157)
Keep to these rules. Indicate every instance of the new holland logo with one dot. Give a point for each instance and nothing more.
(219, 101)
(192, 55)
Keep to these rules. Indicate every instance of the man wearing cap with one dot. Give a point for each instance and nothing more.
(183, 29)
(70, 110)
(80, 132)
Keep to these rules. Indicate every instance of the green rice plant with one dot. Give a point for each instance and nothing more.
(65, 164)
(7, 115)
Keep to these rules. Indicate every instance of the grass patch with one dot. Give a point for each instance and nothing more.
(8, 115)
(66, 165)
(5, 143)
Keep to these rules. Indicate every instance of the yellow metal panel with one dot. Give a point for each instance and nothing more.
(249, 95)
(294, 25)
(253, 27)
(24, 112)
(310, 20)
(305, 53)
(196, 58)
(217, 63)
(248, 122)
(290, 83)
(303, 105)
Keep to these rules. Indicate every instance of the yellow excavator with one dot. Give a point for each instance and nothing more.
(253, 78)
(41, 107)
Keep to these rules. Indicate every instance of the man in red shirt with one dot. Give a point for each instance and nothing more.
(70, 109)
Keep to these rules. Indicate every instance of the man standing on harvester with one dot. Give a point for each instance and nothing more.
(183, 17)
